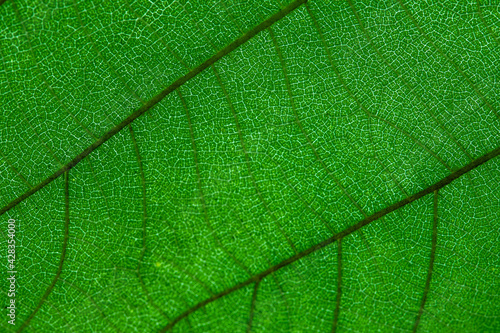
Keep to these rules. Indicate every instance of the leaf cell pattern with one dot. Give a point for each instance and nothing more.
(247, 166)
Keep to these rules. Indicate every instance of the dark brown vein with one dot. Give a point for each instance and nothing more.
(156, 99)
(407, 85)
(144, 221)
(200, 189)
(431, 262)
(339, 286)
(269, 264)
(453, 63)
(252, 305)
(434, 187)
(247, 161)
(61, 260)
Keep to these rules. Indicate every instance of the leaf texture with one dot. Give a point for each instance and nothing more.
(251, 166)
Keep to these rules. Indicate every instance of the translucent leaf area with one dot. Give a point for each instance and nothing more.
(251, 166)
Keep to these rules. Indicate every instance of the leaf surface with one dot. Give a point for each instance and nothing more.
(247, 166)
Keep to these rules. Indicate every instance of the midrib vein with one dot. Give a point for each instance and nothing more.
(156, 99)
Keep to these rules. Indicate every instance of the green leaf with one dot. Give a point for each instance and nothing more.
(251, 166)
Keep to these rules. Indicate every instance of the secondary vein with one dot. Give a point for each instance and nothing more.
(431, 263)
(61, 260)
